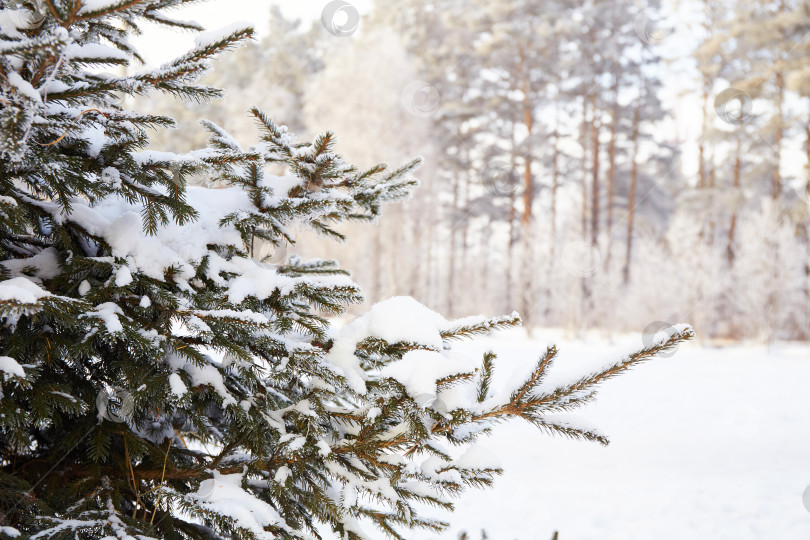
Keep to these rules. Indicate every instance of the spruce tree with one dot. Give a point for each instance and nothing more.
(165, 374)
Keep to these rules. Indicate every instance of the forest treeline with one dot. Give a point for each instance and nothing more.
(558, 179)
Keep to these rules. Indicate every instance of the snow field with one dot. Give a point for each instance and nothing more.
(710, 443)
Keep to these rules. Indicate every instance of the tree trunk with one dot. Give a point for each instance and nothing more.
(595, 127)
(428, 270)
(631, 199)
(526, 274)
(807, 152)
(486, 261)
(510, 246)
(707, 84)
(377, 265)
(776, 176)
(711, 184)
(614, 121)
(583, 282)
(703, 134)
(807, 227)
(584, 162)
(393, 264)
(528, 181)
(555, 184)
(420, 241)
(451, 266)
(733, 224)
(525, 268)
(463, 221)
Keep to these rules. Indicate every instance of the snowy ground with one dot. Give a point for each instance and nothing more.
(710, 443)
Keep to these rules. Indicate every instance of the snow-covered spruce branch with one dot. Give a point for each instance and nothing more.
(531, 402)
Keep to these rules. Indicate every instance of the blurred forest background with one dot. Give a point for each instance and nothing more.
(593, 165)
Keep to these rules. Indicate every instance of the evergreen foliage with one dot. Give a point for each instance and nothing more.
(161, 378)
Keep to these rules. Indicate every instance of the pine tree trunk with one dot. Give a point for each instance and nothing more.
(486, 262)
(526, 267)
(528, 181)
(595, 127)
(807, 152)
(418, 237)
(430, 246)
(733, 224)
(776, 177)
(711, 183)
(612, 159)
(631, 198)
(464, 222)
(510, 245)
(396, 281)
(377, 265)
(584, 162)
(452, 251)
(510, 252)
(583, 282)
(704, 130)
(526, 271)
(555, 184)
(807, 227)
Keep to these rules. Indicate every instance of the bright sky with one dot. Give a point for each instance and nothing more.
(159, 44)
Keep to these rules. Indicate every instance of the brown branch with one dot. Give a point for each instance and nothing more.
(77, 119)
(162, 478)
(538, 373)
(108, 12)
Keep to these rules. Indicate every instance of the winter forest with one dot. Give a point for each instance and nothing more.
(413, 269)
(600, 165)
